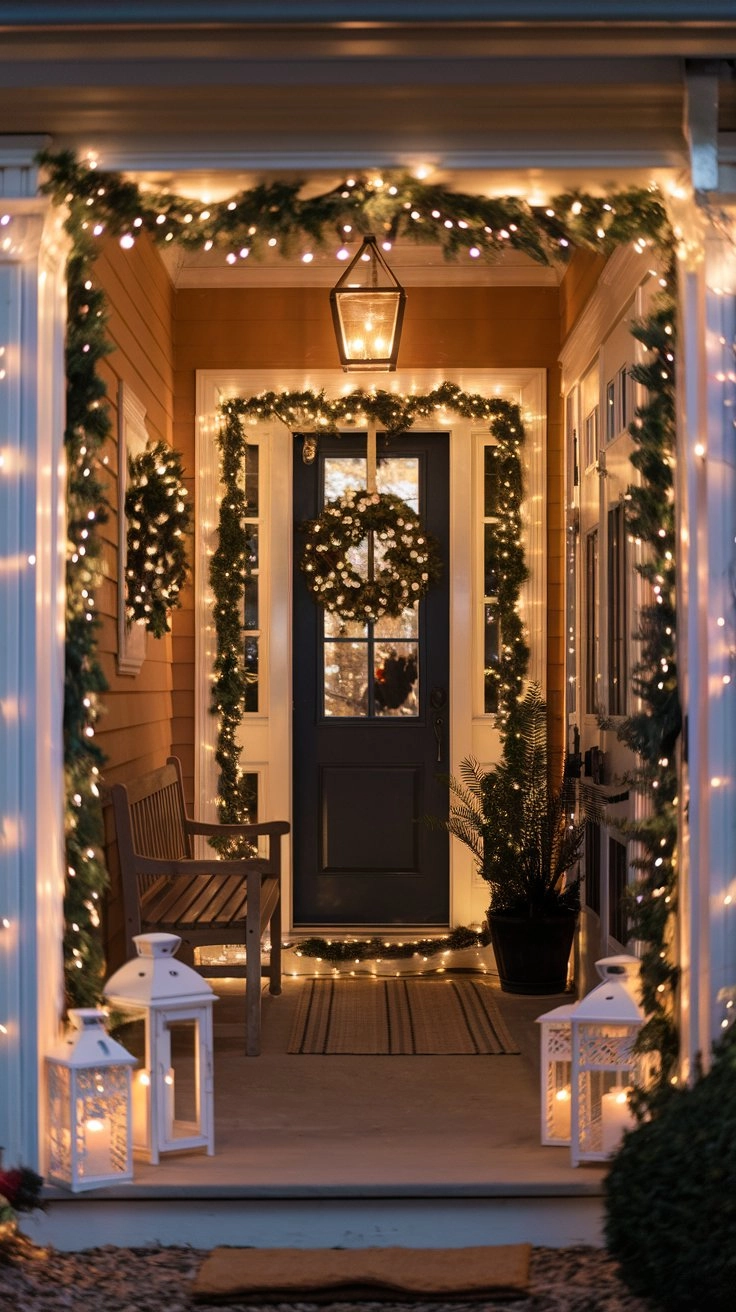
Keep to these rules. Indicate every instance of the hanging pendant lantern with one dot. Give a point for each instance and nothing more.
(368, 311)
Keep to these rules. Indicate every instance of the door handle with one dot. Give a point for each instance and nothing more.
(437, 723)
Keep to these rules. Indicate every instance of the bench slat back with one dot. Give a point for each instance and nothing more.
(156, 813)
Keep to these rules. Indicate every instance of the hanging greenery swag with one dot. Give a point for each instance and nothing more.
(159, 519)
(101, 204)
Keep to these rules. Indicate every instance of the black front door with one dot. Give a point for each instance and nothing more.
(370, 716)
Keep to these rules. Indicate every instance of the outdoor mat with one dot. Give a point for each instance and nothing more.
(332, 1275)
(399, 1017)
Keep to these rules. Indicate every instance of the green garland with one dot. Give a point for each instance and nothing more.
(397, 205)
(379, 949)
(159, 518)
(229, 571)
(653, 732)
(408, 565)
(87, 428)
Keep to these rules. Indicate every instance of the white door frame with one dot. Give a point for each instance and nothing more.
(267, 739)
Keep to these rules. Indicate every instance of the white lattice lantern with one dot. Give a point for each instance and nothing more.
(173, 1092)
(556, 1074)
(604, 1029)
(89, 1106)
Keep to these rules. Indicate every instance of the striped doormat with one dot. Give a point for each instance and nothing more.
(399, 1017)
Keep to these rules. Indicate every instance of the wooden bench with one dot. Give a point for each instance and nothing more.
(203, 901)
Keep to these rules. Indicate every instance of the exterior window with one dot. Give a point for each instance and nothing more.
(618, 878)
(592, 698)
(611, 416)
(617, 612)
(492, 471)
(591, 438)
(624, 391)
(593, 866)
(251, 599)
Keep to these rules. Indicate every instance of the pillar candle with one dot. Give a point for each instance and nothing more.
(615, 1118)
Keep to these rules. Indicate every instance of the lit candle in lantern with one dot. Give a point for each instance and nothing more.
(616, 1117)
(141, 1108)
(97, 1146)
(169, 1092)
(561, 1114)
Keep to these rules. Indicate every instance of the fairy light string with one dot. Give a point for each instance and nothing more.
(275, 216)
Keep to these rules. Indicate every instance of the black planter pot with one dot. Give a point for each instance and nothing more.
(532, 952)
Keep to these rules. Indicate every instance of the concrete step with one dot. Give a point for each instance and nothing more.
(322, 1217)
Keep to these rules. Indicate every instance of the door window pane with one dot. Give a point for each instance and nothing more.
(341, 474)
(399, 475)
(396, 679)
(346, 678)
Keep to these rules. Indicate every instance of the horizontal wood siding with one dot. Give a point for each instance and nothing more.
(135, 729)
(484, 327)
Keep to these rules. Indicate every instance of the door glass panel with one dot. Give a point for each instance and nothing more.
(405, 625)
(399, 475)
(336, 627)
(390, 648)
(396, 685)
(346, 678)
(342, 473)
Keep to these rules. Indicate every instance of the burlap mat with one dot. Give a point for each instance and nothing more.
(331, 1275)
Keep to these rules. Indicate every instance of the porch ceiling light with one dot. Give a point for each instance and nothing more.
(368, 311)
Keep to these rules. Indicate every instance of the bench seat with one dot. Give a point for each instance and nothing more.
(203, 901)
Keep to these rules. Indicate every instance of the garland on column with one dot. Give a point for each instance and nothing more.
(652, 733)
(87, 428)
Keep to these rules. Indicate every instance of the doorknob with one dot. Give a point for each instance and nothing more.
(438, 699)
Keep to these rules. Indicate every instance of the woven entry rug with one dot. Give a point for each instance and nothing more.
(399, 1017)
(286, 1275)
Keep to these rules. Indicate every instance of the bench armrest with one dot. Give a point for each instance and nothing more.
(274, 828)
(148, 865)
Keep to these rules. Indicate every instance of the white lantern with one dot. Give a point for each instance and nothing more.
(89, 1106)
(604, 1029)
(173, 1092)
(556, 1074)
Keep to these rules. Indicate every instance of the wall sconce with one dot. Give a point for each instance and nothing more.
(368, 312)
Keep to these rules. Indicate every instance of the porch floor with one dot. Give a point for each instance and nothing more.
(286, 1122)
(321, 1151)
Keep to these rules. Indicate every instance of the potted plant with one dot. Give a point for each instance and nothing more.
(525, 839)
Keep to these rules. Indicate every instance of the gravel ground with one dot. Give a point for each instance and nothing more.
(158, 1280)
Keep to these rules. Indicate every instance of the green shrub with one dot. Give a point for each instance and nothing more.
(671, 1196)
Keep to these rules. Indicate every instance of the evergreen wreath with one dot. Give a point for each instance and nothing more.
(159, 518)
(406, 565)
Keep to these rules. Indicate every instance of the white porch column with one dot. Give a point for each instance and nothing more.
(706, 490)
(32, 552)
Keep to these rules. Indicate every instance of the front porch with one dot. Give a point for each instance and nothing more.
(348, 1151)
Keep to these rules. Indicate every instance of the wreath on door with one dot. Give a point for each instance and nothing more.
(403, 564)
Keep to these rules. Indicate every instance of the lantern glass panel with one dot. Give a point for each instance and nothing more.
(368, 321)
(181, 1082)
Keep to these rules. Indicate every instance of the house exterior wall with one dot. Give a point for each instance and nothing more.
(135, 730)
(444, 328)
